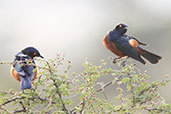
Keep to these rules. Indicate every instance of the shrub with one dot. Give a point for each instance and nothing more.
(56, 85)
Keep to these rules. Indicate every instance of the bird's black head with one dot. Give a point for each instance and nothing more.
(32, 52)
(121, 28)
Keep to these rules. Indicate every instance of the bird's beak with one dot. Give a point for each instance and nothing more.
(126, 28)
(41, 57)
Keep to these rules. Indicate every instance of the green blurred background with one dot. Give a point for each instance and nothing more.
(77, 27)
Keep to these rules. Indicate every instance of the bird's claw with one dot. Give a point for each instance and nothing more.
(123, 64)
(23, 92)
(115, 60)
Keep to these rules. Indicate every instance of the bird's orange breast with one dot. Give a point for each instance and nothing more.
(15, 74)
(111, 46)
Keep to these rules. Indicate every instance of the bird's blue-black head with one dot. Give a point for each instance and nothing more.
(32, 52)
(121, 28)
(118, 31)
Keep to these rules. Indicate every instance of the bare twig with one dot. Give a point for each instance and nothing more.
(106, 85)
(22, 110)
(14, 99)
(5, 110)
(11, 93)
(83, 104)
(19, 111)
(158, 109)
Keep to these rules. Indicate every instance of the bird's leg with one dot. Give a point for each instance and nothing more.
(115, 60)
(124, 62)
(23, 91)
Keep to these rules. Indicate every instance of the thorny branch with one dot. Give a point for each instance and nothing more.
(82, 103)
(132, 90)
(23, 108)
(98, 90)
(14, 99)
(32, 98)
(57, 91)
(28, 63)
(150, 88)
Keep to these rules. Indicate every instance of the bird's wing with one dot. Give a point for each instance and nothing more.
(22, 65)
(131, 37)
(123, 45)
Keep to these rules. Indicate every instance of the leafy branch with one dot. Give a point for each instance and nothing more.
(57, 86)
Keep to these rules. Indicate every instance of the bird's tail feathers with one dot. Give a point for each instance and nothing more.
(151, 57)
(25, 82)
(142, 61)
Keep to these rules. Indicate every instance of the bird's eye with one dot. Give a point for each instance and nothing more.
(34, 53)
(120, 26)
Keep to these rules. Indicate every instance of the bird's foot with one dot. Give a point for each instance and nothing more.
(123, 64)
(23, 92)
(115, 60)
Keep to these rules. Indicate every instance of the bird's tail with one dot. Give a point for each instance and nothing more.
(25, 82)
(140, 60)
(152, 58)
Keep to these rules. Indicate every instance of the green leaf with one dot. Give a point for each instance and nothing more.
(125, 80)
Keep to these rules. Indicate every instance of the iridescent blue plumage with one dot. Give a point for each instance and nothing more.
(120, 43)
(24, 69)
